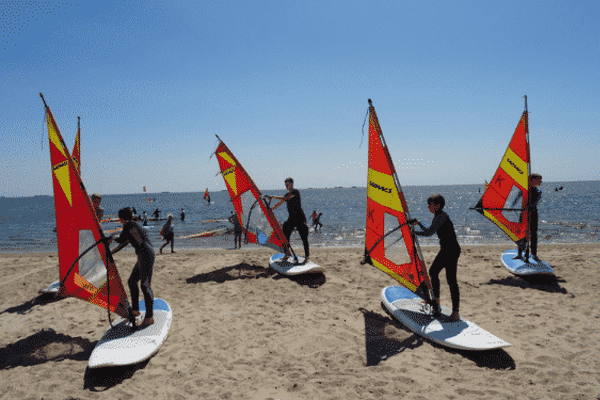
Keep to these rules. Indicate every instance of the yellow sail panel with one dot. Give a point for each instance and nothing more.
(229, 175)
(515, 167)
(382, 190)
(394, 275)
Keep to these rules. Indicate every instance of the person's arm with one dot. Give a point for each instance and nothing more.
(438, 220)
(282, 199)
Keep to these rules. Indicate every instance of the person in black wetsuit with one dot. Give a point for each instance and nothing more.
(448, 255)
(534, 197)
(168, 233)
(296, 218)
(142, 271)
(237, 230)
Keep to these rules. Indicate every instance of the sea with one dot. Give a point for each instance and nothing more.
(569, 213)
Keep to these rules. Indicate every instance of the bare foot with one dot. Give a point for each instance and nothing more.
(454, 317)
(136, 313)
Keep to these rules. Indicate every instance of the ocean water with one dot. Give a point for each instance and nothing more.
(571, 215)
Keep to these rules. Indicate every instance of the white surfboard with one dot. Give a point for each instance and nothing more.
(522, 268)
(290, 267)
(407, 308)
(54, 287)
(120, 345)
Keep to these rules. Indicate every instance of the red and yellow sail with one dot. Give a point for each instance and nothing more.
(257, 219)
(390, 244)
(206, 195)
(504, 201)
(77, 229)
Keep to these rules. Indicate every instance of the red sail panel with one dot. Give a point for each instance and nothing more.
(77, 149)
(504, 201)
(77, 229)
(206, 195)
(390, 244)
(257, 219)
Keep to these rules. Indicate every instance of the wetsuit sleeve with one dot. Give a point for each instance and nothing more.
(124, 236)
(438, 220)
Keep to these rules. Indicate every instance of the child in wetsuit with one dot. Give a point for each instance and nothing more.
(296, 218)
(534, 197)
(168, 234)
(448, 255)
(142, 271)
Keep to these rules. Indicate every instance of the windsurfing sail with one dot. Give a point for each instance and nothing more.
(254, 213)
(390, 242)
(144, 189)
(505, 199)
(76, 155)
(207, 195)
(87, 270)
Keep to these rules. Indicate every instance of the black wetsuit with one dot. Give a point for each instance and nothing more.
(296, 219)
(446, 258)
(535, 195)
(142, 271)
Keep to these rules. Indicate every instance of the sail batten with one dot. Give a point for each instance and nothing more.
(258, 222)
(504, 201)
(92, 276)
(390, 243)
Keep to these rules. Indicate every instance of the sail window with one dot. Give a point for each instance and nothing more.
(514, 200)
(394, 244)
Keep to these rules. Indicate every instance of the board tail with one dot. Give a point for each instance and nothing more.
(505, 199)
(87, 270)
(390, 243)
(253, 211)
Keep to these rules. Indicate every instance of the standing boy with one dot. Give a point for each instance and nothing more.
(168, 233)
(448, 255)
(237, 231)
(296, 218)
(133, 234)
(534, 197)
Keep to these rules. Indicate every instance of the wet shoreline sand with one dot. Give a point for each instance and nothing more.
(241, 331)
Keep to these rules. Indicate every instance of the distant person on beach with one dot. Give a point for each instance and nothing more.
(168, 234)
(133, 234)
(296, 218)
(534, 197)
(316, 220)
(96, 200)
(182, 215)
(448, 255)
(156, 214)
(145, 219)
(237, 230)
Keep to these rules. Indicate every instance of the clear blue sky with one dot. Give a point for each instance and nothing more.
(285, 85)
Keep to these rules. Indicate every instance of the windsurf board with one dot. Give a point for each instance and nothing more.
(54, 287)
(522, 268)
(121, 346)
(408, 308)
(290, 267)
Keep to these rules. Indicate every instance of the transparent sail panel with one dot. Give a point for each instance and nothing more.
(514, 200)
(91, 266)
(394, 244)
(247, 199)
(259, 224)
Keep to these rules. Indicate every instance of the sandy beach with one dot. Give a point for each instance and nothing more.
(241, 331)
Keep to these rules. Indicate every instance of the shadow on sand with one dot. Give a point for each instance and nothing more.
(253, 271)
(40, 300)
(102, 379)
(239, 271)
(544, 283)
(45, 346)
(380, 347)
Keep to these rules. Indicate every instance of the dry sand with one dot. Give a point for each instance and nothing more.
(241, 331)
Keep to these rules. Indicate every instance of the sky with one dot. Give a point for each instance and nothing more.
(285, 85)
